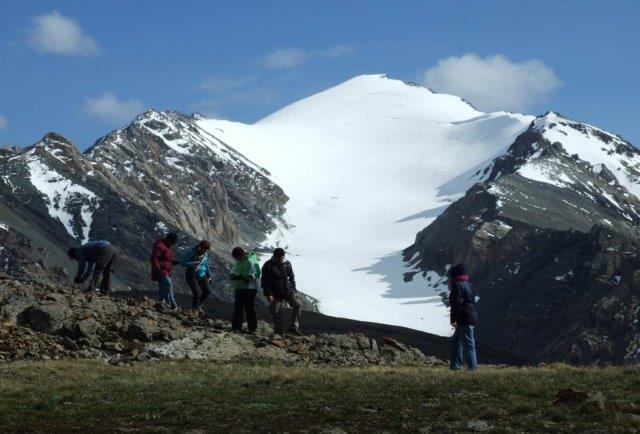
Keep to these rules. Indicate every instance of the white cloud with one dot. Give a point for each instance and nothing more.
(336, 51)
(109, 108)
(3, 122)
(234, 91)
(493, 83)
(57, 34)
(286, 58)
(219, 83)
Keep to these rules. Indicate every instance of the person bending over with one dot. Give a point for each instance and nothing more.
(99, 257)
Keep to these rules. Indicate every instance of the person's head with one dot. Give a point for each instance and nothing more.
(204, 246)
(278, 254)
(171, 238)
(72, 252)
(238, 253)
(457, 270)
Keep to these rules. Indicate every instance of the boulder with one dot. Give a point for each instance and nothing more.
(46, 318)
(142, 329)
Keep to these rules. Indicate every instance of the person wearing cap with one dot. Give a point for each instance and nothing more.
(197, 272)
(162, 263)
(244, 278)
(99, 257)
(279, 286)
(464, 318)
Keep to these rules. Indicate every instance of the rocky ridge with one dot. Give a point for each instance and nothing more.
(41, 321)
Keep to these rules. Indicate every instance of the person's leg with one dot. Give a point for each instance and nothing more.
(193, 285)
(276, 313)
(104, 255)
(456, 351)
(204, 290)
(105, 285)
(238, 307)
(170, 295)
(469, 341)
(163, 287)
(296, 305)
(250, 308)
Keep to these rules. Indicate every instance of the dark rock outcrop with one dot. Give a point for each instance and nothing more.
(551, 242)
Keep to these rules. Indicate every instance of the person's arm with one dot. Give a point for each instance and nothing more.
(265, 281)
(90, 268)
(188, 259)
(82, 263)
(455, 302)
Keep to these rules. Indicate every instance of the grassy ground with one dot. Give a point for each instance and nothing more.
(182, 396)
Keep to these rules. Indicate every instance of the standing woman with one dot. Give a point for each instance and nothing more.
(464, 318)
(197, 273)
(246, 273)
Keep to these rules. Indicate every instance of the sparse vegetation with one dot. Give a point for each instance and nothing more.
(171, 396)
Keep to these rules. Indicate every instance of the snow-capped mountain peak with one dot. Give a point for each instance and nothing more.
(366, 164)
(367, 99)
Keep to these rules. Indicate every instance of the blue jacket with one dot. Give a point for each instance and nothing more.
(87, 255)
(462, 300)
(194, 265)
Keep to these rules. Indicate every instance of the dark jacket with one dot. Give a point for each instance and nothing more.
(161, 260)
(462, 300)
(278, 279)
(87, 255)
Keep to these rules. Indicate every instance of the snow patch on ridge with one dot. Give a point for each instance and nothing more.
(543, 171)
(595, 146)
(62, 196)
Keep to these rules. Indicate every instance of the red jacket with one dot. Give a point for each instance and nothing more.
(161, 260)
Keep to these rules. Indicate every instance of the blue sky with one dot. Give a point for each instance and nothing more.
(84, 68)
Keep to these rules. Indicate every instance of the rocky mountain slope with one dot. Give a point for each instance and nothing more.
(159, 173)
(551, 239)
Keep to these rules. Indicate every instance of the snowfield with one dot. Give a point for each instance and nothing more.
(367, 164)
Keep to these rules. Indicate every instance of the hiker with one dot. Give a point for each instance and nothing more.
(161, 266)
(279, 286)
(99, 257)
(244, 277)
(464, 318)
(197, 273)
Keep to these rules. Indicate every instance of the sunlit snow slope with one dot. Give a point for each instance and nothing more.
(367, 164)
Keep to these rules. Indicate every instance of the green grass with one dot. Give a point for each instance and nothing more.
(88, 396)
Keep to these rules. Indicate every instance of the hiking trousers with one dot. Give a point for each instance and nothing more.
(276, 312)
(105, 262)
(245, 301)
(463, 346)
(199, 288)
(165, 286)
